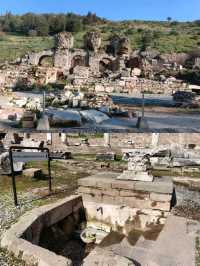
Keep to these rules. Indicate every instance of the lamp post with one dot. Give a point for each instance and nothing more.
(142, 104)
(142, 122)
(44, 103)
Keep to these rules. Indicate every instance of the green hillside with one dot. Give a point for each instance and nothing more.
(166, 37)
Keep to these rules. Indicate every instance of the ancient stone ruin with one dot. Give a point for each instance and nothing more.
(137, 169)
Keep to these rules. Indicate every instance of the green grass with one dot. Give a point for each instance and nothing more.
(197, 251)
(12, 46)
(60, 174)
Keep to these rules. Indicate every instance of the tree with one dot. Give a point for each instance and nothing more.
(28, 22)
(42, 26)
(73, 25)
(56, 23)
(169, 19)
(146, 40)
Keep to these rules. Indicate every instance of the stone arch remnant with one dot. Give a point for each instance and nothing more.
(105, 64)
(35, 58)
(92, 41)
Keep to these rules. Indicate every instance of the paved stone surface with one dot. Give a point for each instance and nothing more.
(106, 258)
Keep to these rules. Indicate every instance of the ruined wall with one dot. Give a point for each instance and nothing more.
(150, 200)
(122, 140)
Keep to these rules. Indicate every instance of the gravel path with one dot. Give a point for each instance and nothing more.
(8, 215)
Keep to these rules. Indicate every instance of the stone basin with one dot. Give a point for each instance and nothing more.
(32, 237)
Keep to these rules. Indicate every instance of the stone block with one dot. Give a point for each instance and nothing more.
(136, 176)
(84, 190)
(158, 187)
(160, 197)
(109, 199)
(120, 184)
(111, 192)
(104, 183)
(87, 182)
(163, 206)
(89, 197)
(127, 193)
(33, 173)
(96, 192)
(150, 212)
(133, 202)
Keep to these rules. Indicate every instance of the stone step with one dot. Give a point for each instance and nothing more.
(174, 242)
(144, 243)
(141, 255)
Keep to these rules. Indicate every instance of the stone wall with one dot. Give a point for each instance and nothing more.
(151, 201)
(118, 141)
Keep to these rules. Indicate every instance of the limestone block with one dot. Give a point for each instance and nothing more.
(158, 187)
(136, 176)
(163, 206)
(87, 182)
(109, 199)
(150, 212)
(133, 202)
(104, 183)
(111, 192)
(127, 193)
(94, 198)
(160, 197)
(84, 190)
(33, 173)
(120, 184)
(96, 192)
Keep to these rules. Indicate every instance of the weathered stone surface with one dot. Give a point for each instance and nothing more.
(33, 173)
(163, 206)
(160, 197)
(104, 183)
(108, 199)
(87, 182)
(111, 192)
(136, 176)
(103, 257)
(158, 187)
(119, 184)
(92, 41)
(64, 40)
(136, 203)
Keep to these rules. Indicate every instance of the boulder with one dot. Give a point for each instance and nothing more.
(33, 173)
(94, 116)
(64, 118)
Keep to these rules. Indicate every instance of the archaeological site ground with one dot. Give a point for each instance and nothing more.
(98, 75)
(100, 133)
(114, 199)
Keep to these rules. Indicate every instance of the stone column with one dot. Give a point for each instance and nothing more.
(107, 139)
(155, 140)
(49, 138)
(64, 138)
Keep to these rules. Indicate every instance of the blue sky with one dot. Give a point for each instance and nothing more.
(111, 9)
